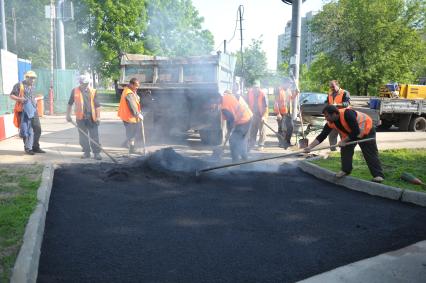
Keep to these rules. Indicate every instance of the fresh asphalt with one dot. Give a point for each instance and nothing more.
(239, 227)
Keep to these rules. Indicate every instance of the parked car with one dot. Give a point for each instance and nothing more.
(311, 105)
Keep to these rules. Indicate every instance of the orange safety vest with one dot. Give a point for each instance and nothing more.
(241, 114)
(280, 104)
(365, 124)
(260, 100)
(338, 99)
(79, 103)
(18, 107)
(124, 111)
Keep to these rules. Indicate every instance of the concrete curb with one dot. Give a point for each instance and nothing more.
(403, 265)
(368, 187)
(26, 264)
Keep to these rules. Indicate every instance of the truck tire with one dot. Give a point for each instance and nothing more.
(211, 137)
(385, 125)
(417, 124)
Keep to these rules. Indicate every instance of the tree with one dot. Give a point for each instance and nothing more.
(174, 29)
(255, 63)
(366, 43)
(105, 30)
(32, 31)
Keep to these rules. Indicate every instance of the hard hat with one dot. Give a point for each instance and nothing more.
(84, 79)
(30, 74)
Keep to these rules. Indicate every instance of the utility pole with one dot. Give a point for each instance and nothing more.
(52, 30)
(3, 26)
(240, 14)
(61, 41)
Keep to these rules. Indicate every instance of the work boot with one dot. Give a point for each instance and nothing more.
(38, 150)
(378, 179)
(341, 174)
(85, 155)
(97, 156)
(261, 148)
(29, 152)
(132, 149)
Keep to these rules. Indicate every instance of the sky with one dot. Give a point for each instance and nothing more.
(266, 18)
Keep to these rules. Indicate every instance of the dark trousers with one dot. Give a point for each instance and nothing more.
(133, 131)
(91, 129)
(285, 128)
(370, 153)
(35, 123)
(238, 141)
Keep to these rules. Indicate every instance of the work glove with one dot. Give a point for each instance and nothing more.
(279, 117)
(98, 122)
(69, 119)
(140, 116)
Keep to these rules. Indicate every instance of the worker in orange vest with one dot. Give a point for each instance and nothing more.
(351, 126)
(341, 99)
(87, 113)
(282, 106)
(258, 103)
(25, 113)
(238, 119)
(129, 112)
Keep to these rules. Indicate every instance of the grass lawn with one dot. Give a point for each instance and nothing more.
(394, 162)
(18, 197)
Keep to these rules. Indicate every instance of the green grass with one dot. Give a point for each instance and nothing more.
(394, 162)
(18, 198)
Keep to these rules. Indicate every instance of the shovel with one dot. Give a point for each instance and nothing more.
(91, 140)
(303, 142)
(218, 151)
(143, 137)
(275, 132)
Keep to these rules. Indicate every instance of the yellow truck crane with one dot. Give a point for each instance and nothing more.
(401, 105)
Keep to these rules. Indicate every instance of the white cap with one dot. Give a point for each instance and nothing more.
(84, 79)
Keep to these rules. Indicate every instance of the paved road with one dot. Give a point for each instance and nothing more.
(245, 227)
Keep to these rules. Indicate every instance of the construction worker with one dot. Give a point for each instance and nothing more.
(129, 112)
(258, 103)
(282, 106)
(351, 126)
(25, 113)
(238, 119)
(87, 113)
(341, 99)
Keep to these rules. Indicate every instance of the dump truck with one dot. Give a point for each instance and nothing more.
(401, 105)
(181, 94)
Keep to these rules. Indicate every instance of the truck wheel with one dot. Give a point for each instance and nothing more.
(385, 125)
(211, 137)
(417, 124)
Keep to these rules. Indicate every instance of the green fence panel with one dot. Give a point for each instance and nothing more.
(63, 82)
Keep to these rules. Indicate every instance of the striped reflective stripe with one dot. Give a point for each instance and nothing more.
(362, 122)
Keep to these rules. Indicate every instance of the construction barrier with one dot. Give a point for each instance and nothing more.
(7, 129)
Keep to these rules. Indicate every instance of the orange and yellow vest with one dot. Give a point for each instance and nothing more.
(280, 105)
(18, 107)
(365, 124)
(260, 101)
(124, 111)
(79, 103)
(338, 99)
(241, 114)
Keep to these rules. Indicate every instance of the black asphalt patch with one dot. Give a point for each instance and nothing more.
(148, 226)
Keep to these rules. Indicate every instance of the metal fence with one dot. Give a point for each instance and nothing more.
(64, 81)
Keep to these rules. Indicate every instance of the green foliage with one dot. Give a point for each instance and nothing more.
(32, 31)
(106, 29)
(255, 63)
(394, 162)
(367, 43)
(18, 197)
(174, 29)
